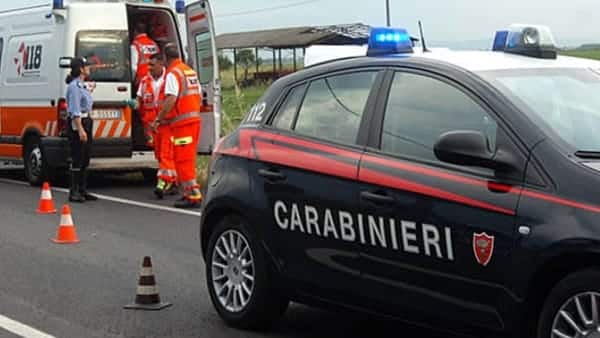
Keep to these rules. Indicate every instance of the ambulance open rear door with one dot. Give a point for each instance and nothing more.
(202, 56)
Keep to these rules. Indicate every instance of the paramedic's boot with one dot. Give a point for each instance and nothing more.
(159, 191)
(83, 186)
(172, 189)
(74, 193)
(192, 201)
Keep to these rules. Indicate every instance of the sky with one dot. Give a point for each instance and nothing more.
(571, 21)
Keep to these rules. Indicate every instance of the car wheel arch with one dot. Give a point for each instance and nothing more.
(216, 212)
(549, 274)
(213, 214)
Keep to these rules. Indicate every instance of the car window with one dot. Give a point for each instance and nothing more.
(420, 109)
(332, 108)
(289, 108)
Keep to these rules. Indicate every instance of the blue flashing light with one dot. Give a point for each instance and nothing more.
(180, 6)
(58, 4)
(500, 41)
(389, 41)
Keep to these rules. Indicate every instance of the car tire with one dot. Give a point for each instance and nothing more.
(36, 167)
(578, 287)
(266, 302)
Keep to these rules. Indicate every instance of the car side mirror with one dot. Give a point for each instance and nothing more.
(468, 147)
(65, 62)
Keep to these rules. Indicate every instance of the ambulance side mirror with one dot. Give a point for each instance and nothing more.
(65, 62)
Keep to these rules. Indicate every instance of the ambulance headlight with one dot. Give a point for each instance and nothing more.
(384, 41)
(530, 40)
(58, 4)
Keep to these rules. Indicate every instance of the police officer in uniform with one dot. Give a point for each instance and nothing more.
(79, 101)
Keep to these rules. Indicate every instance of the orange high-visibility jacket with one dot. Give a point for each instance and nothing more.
(150, 103)
(145, 47)
(189, 101)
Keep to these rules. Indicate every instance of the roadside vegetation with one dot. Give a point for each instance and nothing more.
(584, 53)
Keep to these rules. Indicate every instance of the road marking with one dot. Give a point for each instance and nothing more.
(119, 200)
(20, 329)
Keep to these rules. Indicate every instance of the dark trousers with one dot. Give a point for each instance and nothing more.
(80, 152)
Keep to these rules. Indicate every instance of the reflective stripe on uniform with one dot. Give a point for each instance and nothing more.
(185, 90)
(183, 140)
(184, 117)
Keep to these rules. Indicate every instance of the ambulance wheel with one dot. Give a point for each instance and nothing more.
(573, 307)
(36, 168)
(241, 284)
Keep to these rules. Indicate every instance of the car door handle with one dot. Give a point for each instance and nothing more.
(273, 175)
(376, 197)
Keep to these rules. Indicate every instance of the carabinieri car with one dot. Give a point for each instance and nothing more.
(455, 190)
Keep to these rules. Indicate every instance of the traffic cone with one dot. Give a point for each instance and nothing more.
(147, 297)
(46, 205)
(66, 230)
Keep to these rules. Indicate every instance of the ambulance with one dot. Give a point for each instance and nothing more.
(37, 44)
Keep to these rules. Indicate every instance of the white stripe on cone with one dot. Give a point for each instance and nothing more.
(147, 290)
(66, 221)
(146, 272)
(46, 195)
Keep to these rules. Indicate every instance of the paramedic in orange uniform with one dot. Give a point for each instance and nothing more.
(142, 48)
(181, 112)
(149, 99)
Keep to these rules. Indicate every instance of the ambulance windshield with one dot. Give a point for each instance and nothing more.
(108, 51)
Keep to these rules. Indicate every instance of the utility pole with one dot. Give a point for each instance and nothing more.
(387, 12)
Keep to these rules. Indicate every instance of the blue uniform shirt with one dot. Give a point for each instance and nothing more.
(79, 99)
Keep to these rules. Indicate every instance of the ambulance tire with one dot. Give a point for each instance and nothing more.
(267, 302)
(36, 167)
(581, 285)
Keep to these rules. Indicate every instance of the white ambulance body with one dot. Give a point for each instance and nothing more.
(36, 45)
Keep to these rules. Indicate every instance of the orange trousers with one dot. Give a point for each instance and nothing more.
(147, 116)
(185, 145)
(164, 154)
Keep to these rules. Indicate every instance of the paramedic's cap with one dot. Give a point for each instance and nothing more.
(79, 62)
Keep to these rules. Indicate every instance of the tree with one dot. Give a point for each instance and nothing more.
(246, 59)
(224, 62)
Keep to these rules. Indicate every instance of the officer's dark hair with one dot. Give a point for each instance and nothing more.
(76, 65)
(172, 51)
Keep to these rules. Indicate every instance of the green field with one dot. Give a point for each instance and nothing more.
(588, 54)
(236, 102)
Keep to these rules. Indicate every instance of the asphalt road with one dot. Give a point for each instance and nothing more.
(79, 290)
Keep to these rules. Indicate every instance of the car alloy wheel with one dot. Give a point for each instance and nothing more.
(578, 317)
(233, 271)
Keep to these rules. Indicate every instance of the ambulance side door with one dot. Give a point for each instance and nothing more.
(438, 236)
(202, 56)
(309, 176)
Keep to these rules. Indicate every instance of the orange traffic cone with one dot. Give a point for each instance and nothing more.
(147, 297)
(66, 230)
(46, 205)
